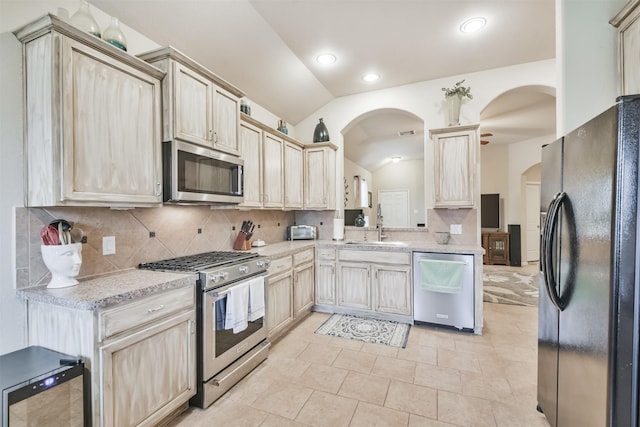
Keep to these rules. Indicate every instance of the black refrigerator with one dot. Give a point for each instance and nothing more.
(588, 318)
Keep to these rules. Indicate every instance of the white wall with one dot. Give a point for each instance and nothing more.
(406, 174)
(494, 159)
(586, 51)
(13, 324)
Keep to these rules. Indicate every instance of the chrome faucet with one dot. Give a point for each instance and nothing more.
(379, 224)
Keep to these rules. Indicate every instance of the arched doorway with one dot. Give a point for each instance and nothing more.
(385, 147)
(519, 122)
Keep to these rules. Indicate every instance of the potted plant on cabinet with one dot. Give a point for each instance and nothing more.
(454, 97)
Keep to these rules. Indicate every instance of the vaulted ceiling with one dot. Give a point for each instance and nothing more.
(268, 49)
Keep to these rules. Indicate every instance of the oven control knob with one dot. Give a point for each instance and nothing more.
(224, 275)
(266, 263)
(215, 278)
(243, 269)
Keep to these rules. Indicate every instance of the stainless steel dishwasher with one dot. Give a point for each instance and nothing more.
(443, 291)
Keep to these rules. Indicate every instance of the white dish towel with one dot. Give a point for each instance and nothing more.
(256, 298)
(237, 308)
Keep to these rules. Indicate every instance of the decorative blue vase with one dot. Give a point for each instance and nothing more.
(114, 35)
(321, 133)
(83, 19)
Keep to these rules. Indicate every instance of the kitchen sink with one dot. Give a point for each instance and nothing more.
(374, 243)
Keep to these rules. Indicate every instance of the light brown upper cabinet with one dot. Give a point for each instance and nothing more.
(92, 120)
(293, 176)
(455, 151)
(627, 21)
(320, 176)
(198, 106)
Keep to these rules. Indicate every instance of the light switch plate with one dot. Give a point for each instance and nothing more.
(455, 229)
(108, 245)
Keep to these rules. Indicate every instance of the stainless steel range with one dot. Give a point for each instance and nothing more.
(228, 348)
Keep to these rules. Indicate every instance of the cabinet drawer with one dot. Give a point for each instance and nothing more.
(140, 312)
(326, 254)
(280, 265)
(303, 257)
(403, 258)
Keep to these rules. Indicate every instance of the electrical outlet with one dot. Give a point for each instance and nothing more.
(108, 245)
(455, 229)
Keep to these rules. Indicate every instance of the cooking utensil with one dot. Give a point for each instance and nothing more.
(250, 232)
(77, 234)
(63, 237)
(64, 230)
(49, 235)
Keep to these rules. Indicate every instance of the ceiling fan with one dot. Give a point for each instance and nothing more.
(484, 135)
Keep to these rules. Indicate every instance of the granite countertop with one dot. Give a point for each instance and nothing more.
(109, 290)
(280, 249)
(404, 247)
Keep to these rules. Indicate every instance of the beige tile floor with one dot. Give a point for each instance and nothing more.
(442, 378)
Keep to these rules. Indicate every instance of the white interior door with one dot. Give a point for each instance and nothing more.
(394, 205)
(532, 190)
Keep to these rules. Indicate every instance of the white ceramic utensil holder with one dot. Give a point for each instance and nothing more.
(64, 262)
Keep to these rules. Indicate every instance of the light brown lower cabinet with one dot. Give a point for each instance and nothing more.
(141, 355)
(290, 291)
(364, 282)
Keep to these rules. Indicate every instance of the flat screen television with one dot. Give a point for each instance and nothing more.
(490, 212)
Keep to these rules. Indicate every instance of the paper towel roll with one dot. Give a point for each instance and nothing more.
(338, 229)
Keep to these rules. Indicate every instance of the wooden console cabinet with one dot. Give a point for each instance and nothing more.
(496, 247)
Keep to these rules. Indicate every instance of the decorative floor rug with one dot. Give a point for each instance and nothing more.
(364, 329)
(511, 285)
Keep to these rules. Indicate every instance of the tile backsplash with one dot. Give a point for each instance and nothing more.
(184, 230)
(179, 230)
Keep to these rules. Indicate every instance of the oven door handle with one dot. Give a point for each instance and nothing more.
(225, 289)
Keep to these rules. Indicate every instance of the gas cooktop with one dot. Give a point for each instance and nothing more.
(199, 262)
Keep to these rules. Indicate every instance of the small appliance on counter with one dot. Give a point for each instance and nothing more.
(302, 232)
(39, 384)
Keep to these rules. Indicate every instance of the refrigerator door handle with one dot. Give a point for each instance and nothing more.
(550, 228)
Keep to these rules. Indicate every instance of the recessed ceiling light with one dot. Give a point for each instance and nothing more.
(326, 58)
(473, 24)
(395, 159)
(370, 77)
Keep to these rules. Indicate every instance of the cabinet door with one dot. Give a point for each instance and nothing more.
(193, 107)
(319, 182)
(150, 373)
(454, 171)
(273, 171)
(392, 286)
(326, 283)
(293, 176)
(303, 290)
(251, 139)
(354, 288)
(226, 119)
(111, 129)
(279, 310)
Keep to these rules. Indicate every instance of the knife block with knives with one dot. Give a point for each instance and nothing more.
(243, 240)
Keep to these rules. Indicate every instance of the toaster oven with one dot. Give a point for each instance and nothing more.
(302, 232)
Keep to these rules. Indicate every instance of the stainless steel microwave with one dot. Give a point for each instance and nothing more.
(195, 174)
